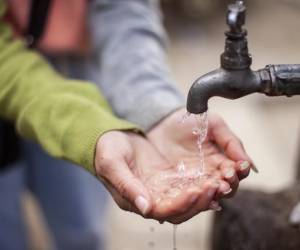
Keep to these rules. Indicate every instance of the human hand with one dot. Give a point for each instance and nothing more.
(131, 168)
(223, 152)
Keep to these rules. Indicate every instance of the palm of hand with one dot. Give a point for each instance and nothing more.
(176, 196)
(134, 168)
(176, 188)
(178, 144)
(221, 150)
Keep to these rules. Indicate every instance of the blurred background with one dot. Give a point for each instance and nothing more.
(269, 127)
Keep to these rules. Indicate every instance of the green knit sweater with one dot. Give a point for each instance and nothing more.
(65, 116)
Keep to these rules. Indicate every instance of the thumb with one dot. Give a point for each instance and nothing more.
(128, 185)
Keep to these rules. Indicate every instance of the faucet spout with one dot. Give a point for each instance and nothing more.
(273, 80)
(223, 83)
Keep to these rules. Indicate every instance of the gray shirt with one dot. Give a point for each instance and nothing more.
(129, 60)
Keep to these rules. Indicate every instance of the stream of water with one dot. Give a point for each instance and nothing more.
(169, 187)
(174, 237)
(201, 129)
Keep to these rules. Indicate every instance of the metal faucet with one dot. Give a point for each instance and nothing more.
(235, 78)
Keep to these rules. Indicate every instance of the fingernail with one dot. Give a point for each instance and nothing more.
(244, 165)
(142, 204)
(227, 192)
(254, 168)
(229, 174)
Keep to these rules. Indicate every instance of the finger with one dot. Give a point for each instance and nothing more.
(215, 206)
(227, 140)
(129, 187)
(229, 174)
(230, 144)
(243, 169)
(209, 191)
(120, 201)
(224, 169)
(225, 190)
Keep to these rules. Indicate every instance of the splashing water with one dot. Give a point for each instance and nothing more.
(202, 126)
(201, 131)
(168, 184)
(181, 168)
(185, 117)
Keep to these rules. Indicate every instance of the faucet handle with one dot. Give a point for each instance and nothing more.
(236, 55)
(236, 17)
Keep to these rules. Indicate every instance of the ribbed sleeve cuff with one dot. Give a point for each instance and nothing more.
(80, 139)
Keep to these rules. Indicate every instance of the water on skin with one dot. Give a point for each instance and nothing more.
(201, 130)
(174, 186)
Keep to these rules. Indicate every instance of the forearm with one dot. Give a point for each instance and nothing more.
(129, 49)
(65, 117)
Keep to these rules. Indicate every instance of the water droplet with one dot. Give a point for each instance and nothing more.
(173, 192)
(151, 244)
(174, 237)
(185, 117)
(195, 131)
(181, 167)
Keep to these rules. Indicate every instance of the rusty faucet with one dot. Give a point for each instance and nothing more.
(235, 78)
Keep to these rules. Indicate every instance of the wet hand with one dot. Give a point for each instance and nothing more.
(140, 179)
(225, 157)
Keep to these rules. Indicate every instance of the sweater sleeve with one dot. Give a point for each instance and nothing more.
(66, 117)
(129, 47)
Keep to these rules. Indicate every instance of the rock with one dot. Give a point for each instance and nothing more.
(295, 215)
(254, 220)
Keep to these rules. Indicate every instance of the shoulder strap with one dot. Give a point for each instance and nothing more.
(38, 17)
(9, 145)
